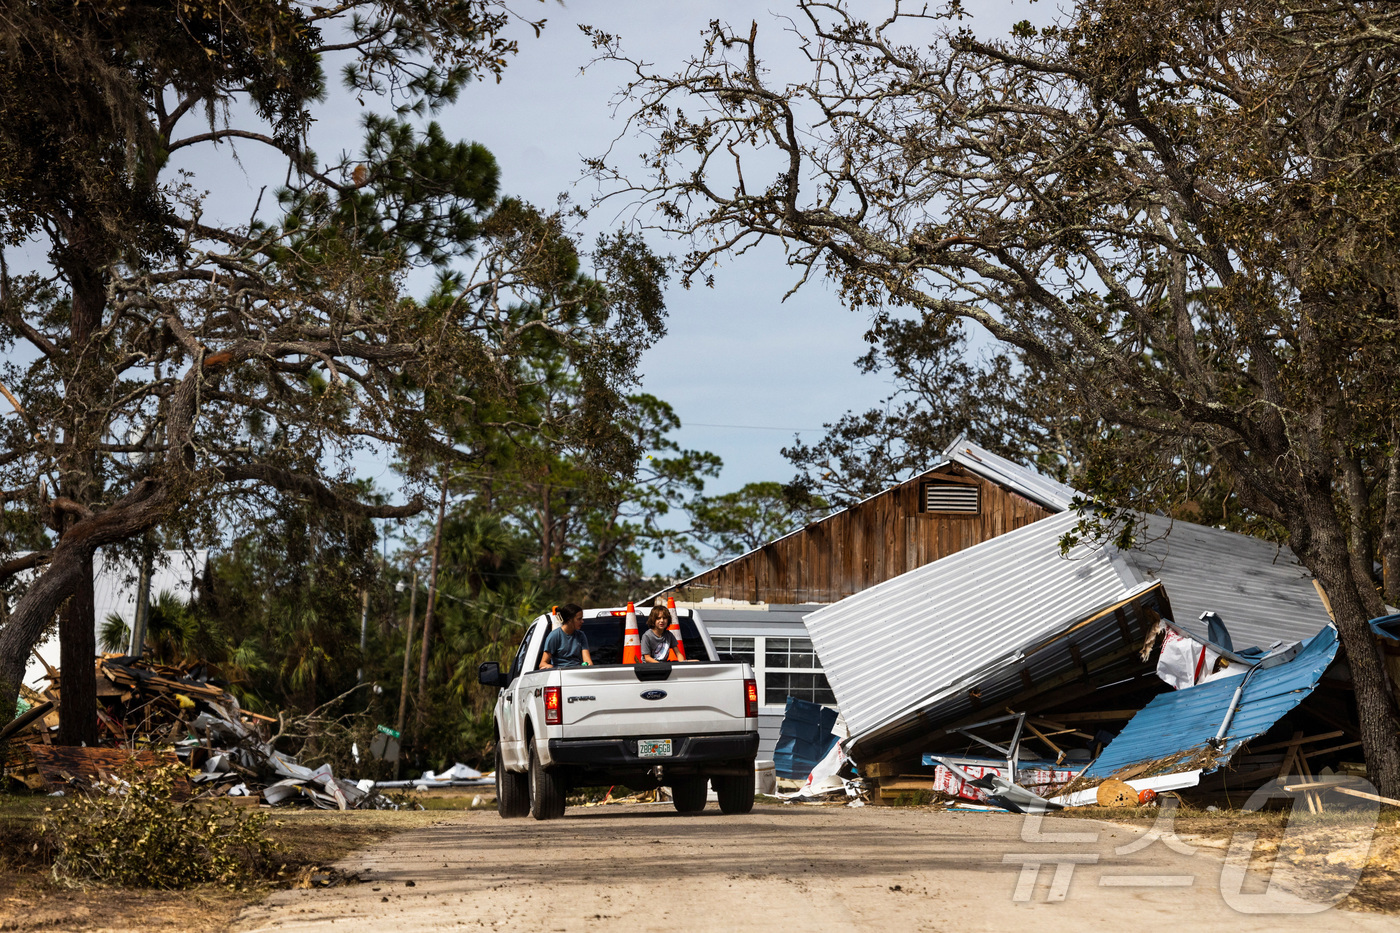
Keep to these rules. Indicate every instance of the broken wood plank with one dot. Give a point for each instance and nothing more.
(1365, 796)
(1334, 748)
(59, 763)
(1323, 737)
(28, 717)
(1059, 752)
(1319, 785)
(1102, 715)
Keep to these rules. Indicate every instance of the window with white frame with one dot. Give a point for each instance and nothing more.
(791, 668)
(740, 649)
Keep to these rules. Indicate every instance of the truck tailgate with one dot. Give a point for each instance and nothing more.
(612, 701)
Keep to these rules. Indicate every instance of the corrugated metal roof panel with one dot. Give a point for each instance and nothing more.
(896, 653)
(1050, 493)
(1260, 589)
(897, 644)
(1184, 721)
(1099, 639)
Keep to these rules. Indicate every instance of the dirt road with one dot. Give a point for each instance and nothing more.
(790, 868)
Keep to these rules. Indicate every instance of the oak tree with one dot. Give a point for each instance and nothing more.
(1185, 211)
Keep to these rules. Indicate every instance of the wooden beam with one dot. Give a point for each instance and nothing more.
(1326, 603)
(1322, 737)
(1334, 748)
(1078, 658)
(1121, 618)
(1059, 752)
(1319, 785)
(1365, 796)
(1096, 717)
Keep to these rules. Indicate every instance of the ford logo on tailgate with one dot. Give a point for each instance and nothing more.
(654, 695)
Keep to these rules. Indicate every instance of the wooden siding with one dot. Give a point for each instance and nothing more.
(870, 542)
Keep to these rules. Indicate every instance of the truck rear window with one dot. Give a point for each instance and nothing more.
(605, 639)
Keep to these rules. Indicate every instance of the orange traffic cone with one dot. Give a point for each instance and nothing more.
(554, 620)
(675, 628)
(631, 640)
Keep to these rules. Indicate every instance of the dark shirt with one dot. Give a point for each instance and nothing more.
(565, 650)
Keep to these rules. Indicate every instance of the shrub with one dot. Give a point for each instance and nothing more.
(134, 833)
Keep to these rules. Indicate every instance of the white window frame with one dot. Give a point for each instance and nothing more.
(760, 665)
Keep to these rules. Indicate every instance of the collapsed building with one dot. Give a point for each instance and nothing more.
(1016, 649)
(946, 624)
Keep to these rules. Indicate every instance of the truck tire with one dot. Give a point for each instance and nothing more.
(546, 791)
(512, 790)
(688, 794)
(735, 792)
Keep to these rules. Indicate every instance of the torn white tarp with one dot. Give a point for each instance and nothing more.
(458, 772)
(1184, 662)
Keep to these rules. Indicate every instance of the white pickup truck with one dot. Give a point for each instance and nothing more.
(681, 725)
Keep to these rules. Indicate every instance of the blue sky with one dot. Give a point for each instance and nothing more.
(744, 370)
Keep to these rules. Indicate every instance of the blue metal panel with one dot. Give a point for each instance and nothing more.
(1179, 725)
(1387, 627)
(804, 738)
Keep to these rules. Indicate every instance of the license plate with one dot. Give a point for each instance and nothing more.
(659, 748)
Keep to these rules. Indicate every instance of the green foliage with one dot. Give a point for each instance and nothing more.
(733, 523)
(137, 835)
(279, 615)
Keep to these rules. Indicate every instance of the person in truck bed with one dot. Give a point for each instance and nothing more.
(566, 646)
(658, 644)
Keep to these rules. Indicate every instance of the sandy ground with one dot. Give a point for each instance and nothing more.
(646, 867)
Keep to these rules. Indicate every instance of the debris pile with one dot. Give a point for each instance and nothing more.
(1198, 660)
(144, 707)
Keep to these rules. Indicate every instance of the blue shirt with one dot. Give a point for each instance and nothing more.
(565, 650)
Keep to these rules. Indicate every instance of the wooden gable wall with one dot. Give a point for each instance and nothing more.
(870, 542)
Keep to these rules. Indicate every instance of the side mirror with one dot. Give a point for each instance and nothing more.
(489, 675)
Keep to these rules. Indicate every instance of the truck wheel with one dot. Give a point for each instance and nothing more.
(688, 794)
(512, 790)
(546, 791)
(735, 792)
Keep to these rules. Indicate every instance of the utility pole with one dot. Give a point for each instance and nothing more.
(364, 628)
(403, 682)
(428, 612)
(137, 646)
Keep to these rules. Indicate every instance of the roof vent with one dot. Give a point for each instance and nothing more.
(951, 498)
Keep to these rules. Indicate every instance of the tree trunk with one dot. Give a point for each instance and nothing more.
(77, 641)
(1390, 527)
(1327, 557)
(1360, 543)
(30, 616)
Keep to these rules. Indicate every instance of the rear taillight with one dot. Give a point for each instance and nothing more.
(750, 698)
(552, 714)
